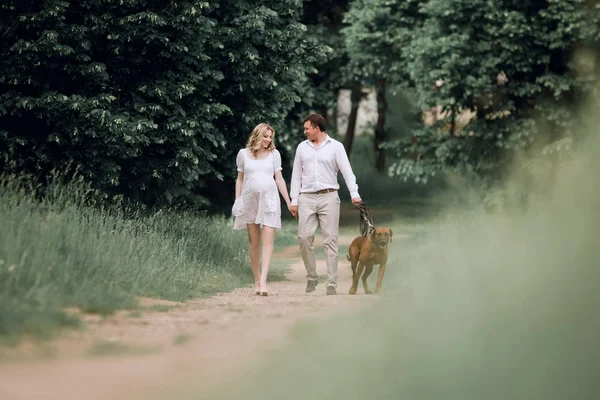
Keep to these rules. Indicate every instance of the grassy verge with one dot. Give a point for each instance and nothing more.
(60, 253)
(287, 235)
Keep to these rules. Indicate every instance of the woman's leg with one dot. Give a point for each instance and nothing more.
(254, 249)
(268, 237)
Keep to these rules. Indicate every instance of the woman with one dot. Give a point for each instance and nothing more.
(257, 202)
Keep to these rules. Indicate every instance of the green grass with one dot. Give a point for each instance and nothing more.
(60, 252)
(287, 235)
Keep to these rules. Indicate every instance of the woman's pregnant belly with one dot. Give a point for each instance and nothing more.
(260, 183)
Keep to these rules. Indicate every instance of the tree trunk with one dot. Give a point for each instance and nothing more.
(334, 114)
(415, 153)
(325, 114)
(380, 134)
(355, 97)
(453, 121)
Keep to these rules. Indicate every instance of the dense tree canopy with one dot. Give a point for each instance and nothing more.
(152, 99)
(146, 98)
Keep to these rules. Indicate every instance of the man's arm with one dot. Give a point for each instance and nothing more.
(344, 165)
(296, 178)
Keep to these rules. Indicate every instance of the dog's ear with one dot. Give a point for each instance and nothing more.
(372, 235)
(391, 235)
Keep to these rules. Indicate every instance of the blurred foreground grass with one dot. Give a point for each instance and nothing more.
(476, 305)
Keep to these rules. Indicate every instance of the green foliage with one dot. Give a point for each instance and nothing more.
(381, 189)
(332, 72)
(375, 34)
(522, 68)
(147, 99)
(60, 252)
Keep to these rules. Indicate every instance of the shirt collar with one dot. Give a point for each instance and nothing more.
(327, 139)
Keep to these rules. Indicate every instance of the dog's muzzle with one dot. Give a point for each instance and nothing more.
(380, 243)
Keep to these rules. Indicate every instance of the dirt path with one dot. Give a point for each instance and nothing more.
(188, 348)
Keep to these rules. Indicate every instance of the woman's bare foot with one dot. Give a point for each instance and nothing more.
(263, 289)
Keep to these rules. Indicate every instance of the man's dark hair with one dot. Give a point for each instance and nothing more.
(317, 120)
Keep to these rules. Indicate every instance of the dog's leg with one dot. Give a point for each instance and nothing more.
(368, 270)
(380, 277)
(354, 264)
(356, 277)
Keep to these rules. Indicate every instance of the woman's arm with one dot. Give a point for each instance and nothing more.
(282, 187)
(238, 184)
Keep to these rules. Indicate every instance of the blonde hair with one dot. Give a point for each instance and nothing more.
(256, 136)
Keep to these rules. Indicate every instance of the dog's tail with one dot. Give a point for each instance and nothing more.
(348, 256)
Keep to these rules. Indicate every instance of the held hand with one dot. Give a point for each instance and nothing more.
(356, 201)
(293, 210)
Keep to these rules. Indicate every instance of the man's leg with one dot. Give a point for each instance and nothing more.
(328, 210)
(307, 226)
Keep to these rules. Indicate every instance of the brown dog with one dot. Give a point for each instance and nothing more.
(365, 252)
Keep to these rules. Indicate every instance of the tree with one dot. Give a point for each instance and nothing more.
(511, 64)
(147, 99)
(375, 34)
(323, 20)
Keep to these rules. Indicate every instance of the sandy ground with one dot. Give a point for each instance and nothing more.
(189, 348)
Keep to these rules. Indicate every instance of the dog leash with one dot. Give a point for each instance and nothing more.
(366, 225)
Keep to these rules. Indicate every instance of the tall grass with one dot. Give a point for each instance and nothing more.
(59, 252)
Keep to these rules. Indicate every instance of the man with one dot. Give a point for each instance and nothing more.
(314, 196)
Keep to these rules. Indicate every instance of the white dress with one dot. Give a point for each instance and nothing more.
(259, 201)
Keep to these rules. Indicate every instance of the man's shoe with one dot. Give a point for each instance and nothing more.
(310, 286)
(331, 290)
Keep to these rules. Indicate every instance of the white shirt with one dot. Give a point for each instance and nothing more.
(317, 169)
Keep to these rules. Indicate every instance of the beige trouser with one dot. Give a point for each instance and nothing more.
(319, 210)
